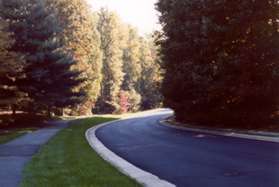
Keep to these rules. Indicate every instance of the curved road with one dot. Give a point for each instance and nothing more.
(190, 159)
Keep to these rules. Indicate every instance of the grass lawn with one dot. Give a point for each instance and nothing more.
(68, 160)
(8, 135)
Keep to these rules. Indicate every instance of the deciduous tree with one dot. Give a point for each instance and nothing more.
(132, 67)
(109, 28)
(149, 84)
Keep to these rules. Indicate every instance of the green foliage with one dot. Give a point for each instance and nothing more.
(127, 68)
(221, 62)
(131, 60)
(7, 92)
(109, 28)
(11, 62)
(45, 78)
(48, 81)
(81, 38)
(149, 84)
(134, 100)
(131, 67)
(57, 54)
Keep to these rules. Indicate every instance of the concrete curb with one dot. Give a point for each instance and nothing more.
(223, 133)
(142, 177)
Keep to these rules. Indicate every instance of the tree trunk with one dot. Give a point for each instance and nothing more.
(62, 112)
(49, 112)
(14, 109)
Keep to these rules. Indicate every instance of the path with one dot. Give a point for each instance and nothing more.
(15, 154)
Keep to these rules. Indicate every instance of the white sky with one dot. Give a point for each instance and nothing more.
(139, 13)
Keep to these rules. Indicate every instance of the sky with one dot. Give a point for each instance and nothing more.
(139, 13)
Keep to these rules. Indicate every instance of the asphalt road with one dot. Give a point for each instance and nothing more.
(189, 159)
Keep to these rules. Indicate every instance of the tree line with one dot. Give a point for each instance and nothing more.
(60, 56)
(221, 60)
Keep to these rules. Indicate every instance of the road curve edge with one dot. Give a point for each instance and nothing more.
(222, 133)
(142, 177)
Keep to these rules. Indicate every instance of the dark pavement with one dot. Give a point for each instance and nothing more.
(189, 159)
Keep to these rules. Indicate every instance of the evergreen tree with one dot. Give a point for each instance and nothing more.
(8, 69)
(81, 38)
(109, 28)
(15, 12)
(48, 80)
(12, 15)
(221, 62)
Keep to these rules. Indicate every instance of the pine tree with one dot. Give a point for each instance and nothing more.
(49, 80)
(7, 68)
(221, 62)
(15, 12)
(11, 58)
(109, 28)
(81, 38)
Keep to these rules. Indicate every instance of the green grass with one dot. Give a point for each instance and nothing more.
(68, 161)
(9, 135)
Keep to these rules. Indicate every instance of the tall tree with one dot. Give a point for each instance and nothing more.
(81, 38)
(15, 12)
(9, 69)
(149, 84)
(49, 80)
(132, 67)
(109, 28)
(12, 15)
(221, 62)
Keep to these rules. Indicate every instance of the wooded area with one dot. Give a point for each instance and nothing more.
(62, 57)
(216, 60)
(221, 60)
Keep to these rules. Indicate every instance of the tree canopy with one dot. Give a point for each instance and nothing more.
(9, 69)
(57, 55)
(82, 40)
(46, 78)
(109, 28)
(221, 62)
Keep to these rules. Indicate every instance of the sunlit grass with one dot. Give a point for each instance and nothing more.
(68, 160)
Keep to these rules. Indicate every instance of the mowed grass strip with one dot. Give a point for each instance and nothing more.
(68, 160)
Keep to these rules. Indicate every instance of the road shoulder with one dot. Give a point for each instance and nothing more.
(251, 135)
